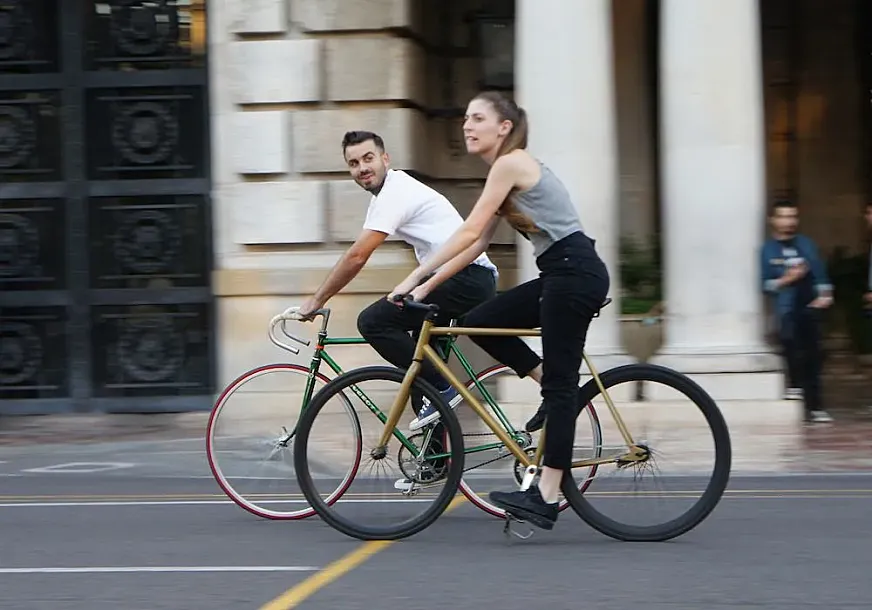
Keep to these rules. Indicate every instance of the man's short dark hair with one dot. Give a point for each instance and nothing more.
(782, 204)
(352, 138)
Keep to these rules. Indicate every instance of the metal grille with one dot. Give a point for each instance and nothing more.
(105, 249)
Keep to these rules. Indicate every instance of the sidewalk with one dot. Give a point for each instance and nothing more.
(95, 428)
(766, 437)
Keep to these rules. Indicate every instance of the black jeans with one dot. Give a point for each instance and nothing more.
(801, 341)
(387, 326)
(572, 285)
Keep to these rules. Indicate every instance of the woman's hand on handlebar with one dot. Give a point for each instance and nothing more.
(397, 296)
(402, 289)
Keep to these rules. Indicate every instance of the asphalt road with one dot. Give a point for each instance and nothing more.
(156, 533)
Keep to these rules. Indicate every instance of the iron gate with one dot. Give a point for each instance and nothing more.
(105, 238)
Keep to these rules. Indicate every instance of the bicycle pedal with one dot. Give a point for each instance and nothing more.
(507, 528)
(406, 487)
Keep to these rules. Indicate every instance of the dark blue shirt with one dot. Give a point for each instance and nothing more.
(779, 255)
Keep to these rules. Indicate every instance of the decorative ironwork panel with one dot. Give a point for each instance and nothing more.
(151, 350)
(28, 36)
(32, 352)
(105, 237)
(29, 136)
(145, 34)
(146, 133)
(32, 245)
(148, 242)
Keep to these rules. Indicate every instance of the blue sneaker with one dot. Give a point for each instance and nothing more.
(428, 413)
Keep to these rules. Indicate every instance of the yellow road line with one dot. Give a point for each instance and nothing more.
(294, 596)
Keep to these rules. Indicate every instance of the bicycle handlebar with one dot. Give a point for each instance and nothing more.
(409, 302)
(292, 314)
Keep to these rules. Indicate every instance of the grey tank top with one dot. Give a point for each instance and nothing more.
(548, 205)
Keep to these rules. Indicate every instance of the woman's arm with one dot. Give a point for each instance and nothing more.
(500, 181)
(461, 261)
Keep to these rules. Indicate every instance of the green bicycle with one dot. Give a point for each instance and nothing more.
(252, 428)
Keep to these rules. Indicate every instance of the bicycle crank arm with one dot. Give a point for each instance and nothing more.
(529, 475)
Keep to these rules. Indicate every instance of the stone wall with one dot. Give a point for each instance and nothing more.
(288, 78)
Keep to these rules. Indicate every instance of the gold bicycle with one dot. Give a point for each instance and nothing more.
(431, 470)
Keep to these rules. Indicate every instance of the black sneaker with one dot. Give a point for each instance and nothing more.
(538, 420)
(527, 505)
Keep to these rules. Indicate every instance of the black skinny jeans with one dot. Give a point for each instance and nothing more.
(801, 341)
(387, 326)
(572, 285)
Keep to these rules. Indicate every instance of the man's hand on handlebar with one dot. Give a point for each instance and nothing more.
(306, 312)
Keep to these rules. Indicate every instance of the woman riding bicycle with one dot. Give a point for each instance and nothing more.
(572, 285)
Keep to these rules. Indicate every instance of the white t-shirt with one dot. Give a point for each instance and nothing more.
(417, 214)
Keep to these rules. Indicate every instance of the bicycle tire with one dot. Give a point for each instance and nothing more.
(720, 474)
(213, 459)
(304, 477)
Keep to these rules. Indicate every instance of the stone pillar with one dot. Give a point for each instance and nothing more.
(567, 88)
(714, 196)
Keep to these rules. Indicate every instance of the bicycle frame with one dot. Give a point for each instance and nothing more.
(442, 354)
(424, 350)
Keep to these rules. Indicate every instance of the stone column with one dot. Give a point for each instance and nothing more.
(564, 80)
(714, 196)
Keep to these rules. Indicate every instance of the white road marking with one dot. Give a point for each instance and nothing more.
(80, 467)
(152, 569)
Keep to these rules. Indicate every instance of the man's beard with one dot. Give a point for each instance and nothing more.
(375, 188)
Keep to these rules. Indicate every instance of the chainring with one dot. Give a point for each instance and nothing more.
(422, 472)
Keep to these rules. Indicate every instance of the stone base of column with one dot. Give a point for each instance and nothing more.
(753, 373)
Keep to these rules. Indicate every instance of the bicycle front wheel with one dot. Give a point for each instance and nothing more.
(399, 489)
(250, 437)
(685, 463)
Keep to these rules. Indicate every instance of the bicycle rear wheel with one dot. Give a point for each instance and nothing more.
(608, 492)
(419, 473)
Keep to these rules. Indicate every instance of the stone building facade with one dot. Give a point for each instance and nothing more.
(171, 176)
(288, 77)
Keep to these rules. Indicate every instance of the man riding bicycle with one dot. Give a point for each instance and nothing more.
(424, 219)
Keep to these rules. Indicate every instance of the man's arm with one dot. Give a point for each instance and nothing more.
(818, 270)
(347, 268)
(771, 281)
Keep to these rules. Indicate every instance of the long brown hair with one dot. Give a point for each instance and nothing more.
(507, 110)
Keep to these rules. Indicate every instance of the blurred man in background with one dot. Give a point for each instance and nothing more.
(795, 277)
